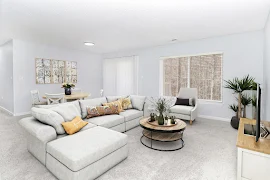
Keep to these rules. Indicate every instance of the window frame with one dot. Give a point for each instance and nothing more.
(161, 75)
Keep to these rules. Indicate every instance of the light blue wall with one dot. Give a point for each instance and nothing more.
(6, 73)
(243, 54)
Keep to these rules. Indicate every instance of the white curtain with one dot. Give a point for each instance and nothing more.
(120, 76)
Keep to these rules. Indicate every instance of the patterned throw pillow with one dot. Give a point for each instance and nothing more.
(101, 110)
(74, 126)
(117, 103)
(126, 103)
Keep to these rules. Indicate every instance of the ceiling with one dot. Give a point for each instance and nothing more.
(116, 25)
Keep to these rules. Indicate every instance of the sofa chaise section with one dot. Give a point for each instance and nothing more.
(86, 155)
(114, 122)
(132, 118)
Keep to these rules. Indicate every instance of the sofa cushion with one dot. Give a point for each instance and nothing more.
(181, 109)
(137, 102)
(76, 103)
(131, 114)
(88, 126)
(49, 117)
(67, 111)
(114, 98)
(91, 102)
(84, 148)
(108, 121)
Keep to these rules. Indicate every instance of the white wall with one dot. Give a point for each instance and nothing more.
(89, 71)
(6, 73)
(267, 70)
(243, 54)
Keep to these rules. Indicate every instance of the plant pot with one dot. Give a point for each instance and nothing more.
(67, 91)
(160, 120)
(235, 122)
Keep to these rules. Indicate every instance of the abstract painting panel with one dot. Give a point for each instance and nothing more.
(43, 71)
(49, 71)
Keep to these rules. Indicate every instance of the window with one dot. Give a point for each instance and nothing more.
(203, 72)
(120, 76)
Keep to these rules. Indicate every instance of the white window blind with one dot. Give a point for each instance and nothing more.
(120, 76)
(203, 72)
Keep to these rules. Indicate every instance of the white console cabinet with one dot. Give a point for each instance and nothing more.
(253, 158)
(252, 165)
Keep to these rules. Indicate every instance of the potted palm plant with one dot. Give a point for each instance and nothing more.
(239, 86)
(234, 120)
(245, 101)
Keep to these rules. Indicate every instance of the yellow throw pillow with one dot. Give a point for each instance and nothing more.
(126, 103)
(117, 103)
(74, 126)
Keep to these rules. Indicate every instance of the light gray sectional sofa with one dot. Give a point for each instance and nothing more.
(93, 150)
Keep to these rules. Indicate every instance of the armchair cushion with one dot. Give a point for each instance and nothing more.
(181, 109)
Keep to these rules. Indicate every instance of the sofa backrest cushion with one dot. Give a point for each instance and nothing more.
(137, 102)
(49, 117)
(68, 111)
(76, 103)
(114, 98)
(91, 102)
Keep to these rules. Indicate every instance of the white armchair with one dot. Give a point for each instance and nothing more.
(186, 112)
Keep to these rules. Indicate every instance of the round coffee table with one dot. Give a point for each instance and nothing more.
(162, 133)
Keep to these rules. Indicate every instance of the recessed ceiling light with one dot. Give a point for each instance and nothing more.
(174, 39)
(89, 44)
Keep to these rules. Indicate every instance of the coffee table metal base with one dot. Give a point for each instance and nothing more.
(154, 136)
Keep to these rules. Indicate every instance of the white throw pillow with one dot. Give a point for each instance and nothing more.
(137, 102)
(49, 117)
(68, 111)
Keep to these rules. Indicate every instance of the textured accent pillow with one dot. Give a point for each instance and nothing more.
(137, 102)
(67, 111)
(74, 126)
(49, 117)
(101, 110)
(90, 102)
(126, 103)
(184, 101)
(117, 103)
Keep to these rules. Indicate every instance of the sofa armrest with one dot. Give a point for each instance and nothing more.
(194, 112)
(43, 132)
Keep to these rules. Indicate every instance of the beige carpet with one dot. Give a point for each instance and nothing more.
(209, 154)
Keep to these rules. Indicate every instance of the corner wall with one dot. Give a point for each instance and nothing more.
(24, 54)
(243, 54)
(266, 70)
(6, 73)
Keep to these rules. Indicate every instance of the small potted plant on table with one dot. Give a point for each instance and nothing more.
(161, 106)
(67, 87)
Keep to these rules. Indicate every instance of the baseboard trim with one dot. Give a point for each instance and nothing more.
(7, 111)
(22, 114)
(214, 118)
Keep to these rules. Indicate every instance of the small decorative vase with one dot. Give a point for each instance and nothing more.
(152, 117)
(160, 119)
(172, 119)
(67, 91)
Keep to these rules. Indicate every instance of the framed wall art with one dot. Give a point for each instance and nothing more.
(50, 71)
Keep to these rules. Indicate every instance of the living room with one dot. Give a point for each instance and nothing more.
(145, 52)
